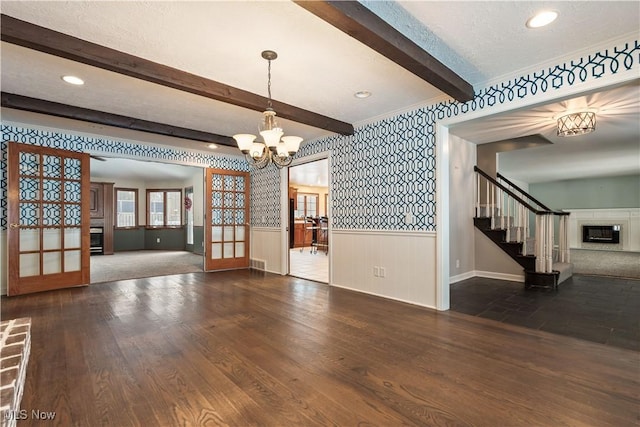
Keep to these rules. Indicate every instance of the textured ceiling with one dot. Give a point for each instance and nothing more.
(319, 68)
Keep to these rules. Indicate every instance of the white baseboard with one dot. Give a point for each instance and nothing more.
(488, 275)
(382, 296)
(460, 277)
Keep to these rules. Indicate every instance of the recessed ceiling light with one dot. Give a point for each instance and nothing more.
(541, 19)
(73, 80)
(213, 146)
(362, 94)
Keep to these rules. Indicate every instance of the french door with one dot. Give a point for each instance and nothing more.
(226, 220)
(48, 217)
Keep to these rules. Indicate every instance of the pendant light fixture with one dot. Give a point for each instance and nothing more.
(275, 148)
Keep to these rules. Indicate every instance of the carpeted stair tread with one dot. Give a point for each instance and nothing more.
(565, 269)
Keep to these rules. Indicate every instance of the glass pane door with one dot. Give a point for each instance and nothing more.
(48, 219)
(227, 227)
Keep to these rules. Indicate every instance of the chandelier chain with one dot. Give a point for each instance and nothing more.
(269, 84)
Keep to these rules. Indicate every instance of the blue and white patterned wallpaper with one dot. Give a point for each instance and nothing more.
(100, 145)
(380, 173)
(387, 168)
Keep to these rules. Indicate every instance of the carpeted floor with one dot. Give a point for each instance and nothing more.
(138, 264)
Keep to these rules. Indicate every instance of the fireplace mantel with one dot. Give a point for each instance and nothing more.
(627, 218)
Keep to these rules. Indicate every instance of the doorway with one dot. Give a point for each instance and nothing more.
(308, 220)
(157, 210)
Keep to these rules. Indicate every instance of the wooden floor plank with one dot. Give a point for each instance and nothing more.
(244, 348)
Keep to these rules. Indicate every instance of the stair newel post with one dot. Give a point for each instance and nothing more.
(549, 255)
(539, 233)
(508, 237)
(567, 256)
(518, 227)
(525, 232)
(500, 196)
(477, 195)
(563, 239)
(523, 223)
(493, 211)
(486, 206)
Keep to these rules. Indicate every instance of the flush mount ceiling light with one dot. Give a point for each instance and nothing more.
(73, 80)
(362, 94)
(213, 146)
(276, 149)
(577, 123)
(541, 19)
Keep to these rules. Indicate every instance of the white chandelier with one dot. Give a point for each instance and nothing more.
(577, 123)
(276, 149)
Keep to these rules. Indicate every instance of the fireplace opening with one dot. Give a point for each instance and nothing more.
(96, 240)
(601, 233)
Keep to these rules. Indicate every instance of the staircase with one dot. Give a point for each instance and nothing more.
(505, 214)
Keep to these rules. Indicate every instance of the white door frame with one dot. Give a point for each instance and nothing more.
(284, 209)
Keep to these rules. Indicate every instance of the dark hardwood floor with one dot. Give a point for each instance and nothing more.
(245, 348)
(595, 308)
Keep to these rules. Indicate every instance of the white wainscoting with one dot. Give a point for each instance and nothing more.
(4, 263)
(265, 246)
(408, 259)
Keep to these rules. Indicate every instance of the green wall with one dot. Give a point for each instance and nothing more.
(198, 239)
(590, 193)
(130, 239)
(142, 238)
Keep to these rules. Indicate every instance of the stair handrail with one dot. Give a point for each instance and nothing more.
(526, 194)
(544, 223)
(511, 193)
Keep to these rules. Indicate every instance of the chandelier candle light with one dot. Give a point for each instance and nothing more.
(276, 149)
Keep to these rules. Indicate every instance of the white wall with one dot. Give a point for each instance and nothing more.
(4, 268)
(197, 182)
(461, 208)
(265, 246)
(407, 257)
(493, 262)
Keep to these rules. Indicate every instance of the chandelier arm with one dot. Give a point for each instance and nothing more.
(262, 162)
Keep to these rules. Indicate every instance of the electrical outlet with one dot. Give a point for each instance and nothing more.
(376, 271)
(457, 263)
(383, 272)
(158, 240)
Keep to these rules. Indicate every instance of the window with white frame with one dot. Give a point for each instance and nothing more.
(126, 207)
